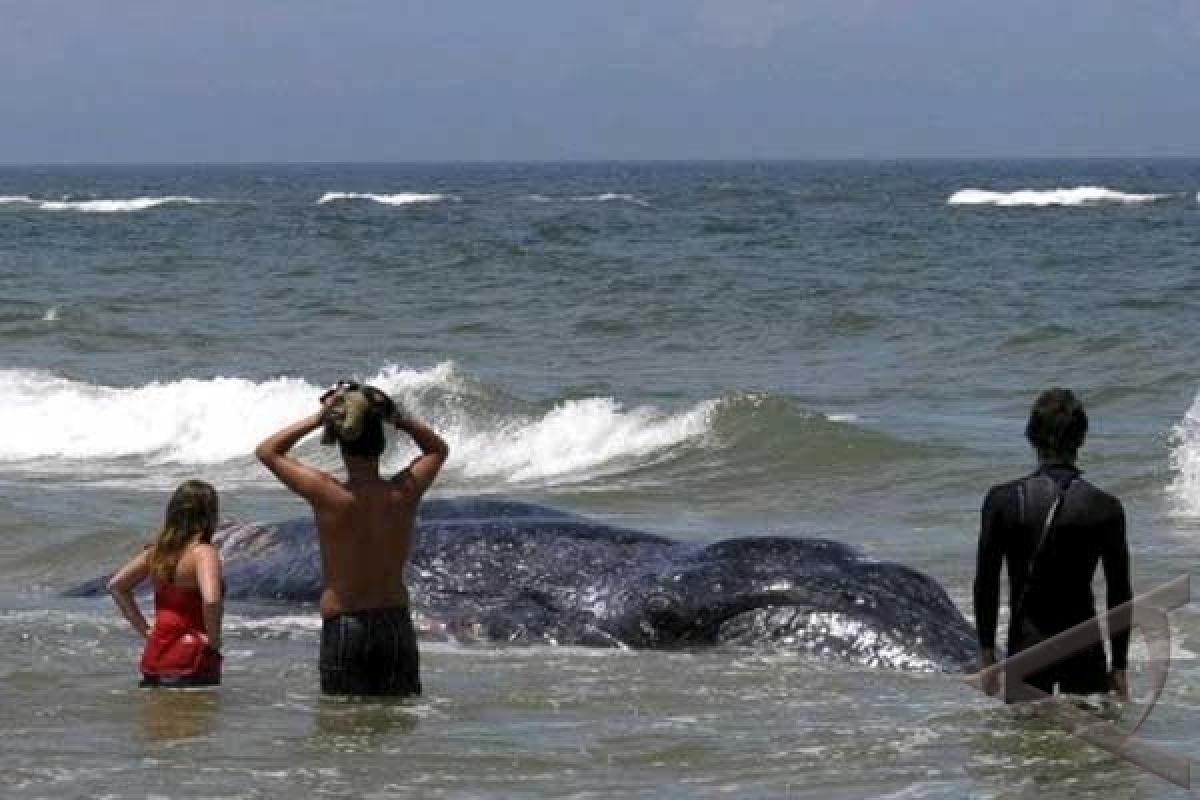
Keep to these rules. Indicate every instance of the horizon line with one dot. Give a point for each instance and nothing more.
(592, 161)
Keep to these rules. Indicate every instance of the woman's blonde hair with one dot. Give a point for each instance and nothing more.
(191, 517)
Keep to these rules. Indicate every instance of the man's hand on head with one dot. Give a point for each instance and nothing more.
(380, 401)
(340, 386)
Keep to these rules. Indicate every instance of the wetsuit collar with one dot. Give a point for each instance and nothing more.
(1061, 473)
(1059, 466)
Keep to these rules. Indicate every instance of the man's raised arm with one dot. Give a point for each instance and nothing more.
(273, 452)
(434, 451)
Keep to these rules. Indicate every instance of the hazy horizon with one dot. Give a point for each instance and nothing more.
(259, 82)
(596, 161)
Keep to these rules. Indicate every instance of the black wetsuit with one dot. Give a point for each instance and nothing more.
(372, 652)
(1089, 527)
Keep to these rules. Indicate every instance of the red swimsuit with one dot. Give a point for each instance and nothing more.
(176, 651)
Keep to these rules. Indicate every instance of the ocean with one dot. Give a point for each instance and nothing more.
(701, 350)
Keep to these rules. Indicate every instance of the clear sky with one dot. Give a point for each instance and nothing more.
(415, 80)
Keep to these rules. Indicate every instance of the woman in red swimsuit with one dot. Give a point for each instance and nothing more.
(184, 646)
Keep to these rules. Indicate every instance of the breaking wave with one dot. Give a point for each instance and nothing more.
(401, 199)
(107, 206)
(606, 197)
(1078, 196)
(1185, 462)
(54, 425)
(64, 430)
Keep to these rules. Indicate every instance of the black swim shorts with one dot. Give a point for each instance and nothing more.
(371, 652)
(159, 682)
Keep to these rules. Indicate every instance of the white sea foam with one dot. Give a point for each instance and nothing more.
(188, 421)
(401, 199)
(51, 314)
(59, 426)
(1077, 196)
(16, 200)
(282, 624)
(606, 197)
(575, 440)
(119, 206)
(611, 197)
(1185, 461)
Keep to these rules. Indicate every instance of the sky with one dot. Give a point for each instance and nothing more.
(134, 81)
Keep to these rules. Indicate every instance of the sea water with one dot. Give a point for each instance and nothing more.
(702, 350)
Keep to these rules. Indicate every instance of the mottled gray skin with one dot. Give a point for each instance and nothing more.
(521, 573)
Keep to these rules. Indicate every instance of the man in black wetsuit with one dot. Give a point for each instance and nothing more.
(1052, 528)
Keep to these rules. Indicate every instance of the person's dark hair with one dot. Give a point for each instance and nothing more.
(1057, 424)
(370, 442)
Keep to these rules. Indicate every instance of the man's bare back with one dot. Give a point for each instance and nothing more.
(365, 530)
(364, 525)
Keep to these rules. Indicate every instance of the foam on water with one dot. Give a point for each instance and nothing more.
(1185, 462)
(576, 439)
(192, 421)
(57, 425)
(401, 199)
(1077, 196)
(605, 197)
(108, 206)
(284, 624)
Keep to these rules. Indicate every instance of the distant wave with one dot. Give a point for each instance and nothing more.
(402, 199)
(1078, 196)
(613, 196)
(108, 206)
(606, 197)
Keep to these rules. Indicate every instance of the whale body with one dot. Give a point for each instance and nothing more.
(511, 572)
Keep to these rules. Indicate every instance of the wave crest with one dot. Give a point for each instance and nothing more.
(1185, 462)
(606, 197)
(401, 199)
(107, 206)
(53, 425)
(1077, 196)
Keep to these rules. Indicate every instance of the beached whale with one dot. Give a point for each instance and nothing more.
(502, 571)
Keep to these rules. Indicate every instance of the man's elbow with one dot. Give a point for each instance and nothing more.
(263, 452)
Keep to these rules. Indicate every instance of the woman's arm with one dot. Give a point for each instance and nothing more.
(121, 587)
(208, 576)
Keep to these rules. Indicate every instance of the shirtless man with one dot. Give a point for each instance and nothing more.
(364, 525)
